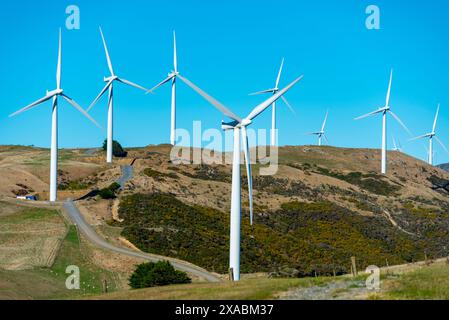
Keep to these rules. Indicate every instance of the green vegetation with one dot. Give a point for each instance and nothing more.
(208, 173)
(159, 176)
(117, 149)
(49, 282)
(309, 238)
(157, 274)
(427, 283)
(74, 185)
(109, 192)
(73, 252)
(372, 182)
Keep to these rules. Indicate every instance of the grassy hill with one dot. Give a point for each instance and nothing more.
(323, 206)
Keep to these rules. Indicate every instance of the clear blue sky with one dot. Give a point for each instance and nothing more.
(229, 48)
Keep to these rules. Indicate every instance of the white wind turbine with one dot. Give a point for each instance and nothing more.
(54, 94)
(110, 85)
(431, 136)
(239, 128)
(396, 146)
(321, 134)
(273, 114)
(171, 77)
(384, 110)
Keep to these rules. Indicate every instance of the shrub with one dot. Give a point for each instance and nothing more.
(152, 274)
(117, 149)
(159, 176)
(114, 186)
(106, 193)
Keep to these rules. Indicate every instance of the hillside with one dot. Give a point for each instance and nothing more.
(444, 166)
(323, 206)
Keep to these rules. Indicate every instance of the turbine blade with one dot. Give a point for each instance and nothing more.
(99, 96)
(442, 144)
(58, 68)
(248, 172)
(264, 105)
(211, 100)
(262, 92)
(436, 119)
(369, 114)
(34, 104)
(288, 105)
(400, 122)
(325, 120)
(279, 74)
(77, 106)
(175, 54)
(325, 138)
(387, 101)
(132, 84)
(394, 144)
(107, 53)
(160, 84)
(419, 137)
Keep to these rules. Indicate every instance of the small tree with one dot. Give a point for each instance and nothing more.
(117, 149)
(106, 193)
(152, 274)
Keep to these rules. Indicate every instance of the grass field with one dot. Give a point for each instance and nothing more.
(426, 283)
(47, 282)
(250, 289)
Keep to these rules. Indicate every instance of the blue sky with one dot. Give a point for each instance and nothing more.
(229, 48)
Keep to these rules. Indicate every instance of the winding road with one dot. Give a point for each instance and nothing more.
(127, 174)
(77, 218)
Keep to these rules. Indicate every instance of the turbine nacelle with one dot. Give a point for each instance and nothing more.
(225, 126)
(110, 78)
(55, 92)
(173, 74)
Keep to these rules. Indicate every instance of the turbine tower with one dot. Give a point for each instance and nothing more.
(110, 85)
(273, 114)
(55, 94)
(431, 136)
(321, 134)
(171, 77)
(384, 111)
(238, 126)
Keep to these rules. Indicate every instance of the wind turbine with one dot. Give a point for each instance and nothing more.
(396, 146)
(321, 134)
(384, 110)
(431, 136)
(110, 85)
(239, 125)
(171, 77)
(273, 114)
(55, 94)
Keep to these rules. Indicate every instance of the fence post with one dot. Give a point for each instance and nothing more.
(353, 267)
(231, 274)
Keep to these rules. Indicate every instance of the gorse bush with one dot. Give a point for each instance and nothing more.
(372, 182)
(109, 192)
(159, 176)
(308, 237)
(152, 274)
